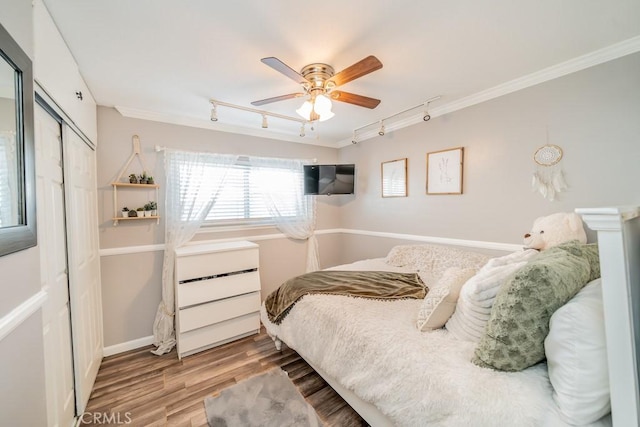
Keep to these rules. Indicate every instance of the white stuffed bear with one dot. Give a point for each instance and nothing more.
(554, 229)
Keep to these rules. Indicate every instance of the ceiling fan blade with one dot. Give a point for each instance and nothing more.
(352, 98)
(277, 98)
(283, 68)
(359, 69)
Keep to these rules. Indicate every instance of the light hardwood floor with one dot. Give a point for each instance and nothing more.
(161, 390)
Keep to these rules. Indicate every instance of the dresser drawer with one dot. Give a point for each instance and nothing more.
(200, 291)
(218, 311)
(211, 264)
(218, 333)
(217, 290)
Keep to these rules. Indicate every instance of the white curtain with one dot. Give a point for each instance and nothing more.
(192, 182)
(294, 216)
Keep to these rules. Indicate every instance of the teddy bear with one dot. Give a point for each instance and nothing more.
(554, 229)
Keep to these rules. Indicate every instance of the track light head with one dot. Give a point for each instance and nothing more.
(302, 131)
(381, 131)
(426, 117)
(264, 122)
(214, 112)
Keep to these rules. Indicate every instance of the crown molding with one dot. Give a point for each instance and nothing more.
(609, 53)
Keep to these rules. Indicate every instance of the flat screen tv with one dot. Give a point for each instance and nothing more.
(329, 179)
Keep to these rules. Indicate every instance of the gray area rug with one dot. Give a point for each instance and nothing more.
(266, 400)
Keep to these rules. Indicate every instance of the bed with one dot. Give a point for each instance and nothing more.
(372, 353)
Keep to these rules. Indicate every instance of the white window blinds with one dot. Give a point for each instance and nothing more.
(241, 200)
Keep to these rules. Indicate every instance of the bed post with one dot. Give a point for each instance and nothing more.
(619, 246)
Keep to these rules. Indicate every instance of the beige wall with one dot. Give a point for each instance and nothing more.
(22, 383)
(592, 115)
(131, 283)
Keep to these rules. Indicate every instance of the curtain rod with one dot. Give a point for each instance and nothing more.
(314, 160)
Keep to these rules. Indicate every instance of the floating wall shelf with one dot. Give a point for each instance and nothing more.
(119, 183)
(127, 185)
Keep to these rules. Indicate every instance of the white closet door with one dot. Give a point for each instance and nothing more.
(84, 262)
(53, 258)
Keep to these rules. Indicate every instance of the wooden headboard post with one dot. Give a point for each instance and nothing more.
(619, 246)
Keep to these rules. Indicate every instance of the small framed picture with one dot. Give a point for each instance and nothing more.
(444, 171)
(394, 178)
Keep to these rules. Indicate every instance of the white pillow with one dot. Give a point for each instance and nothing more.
(577, 357)
(434, 259)
(440, 302)
(476, 300)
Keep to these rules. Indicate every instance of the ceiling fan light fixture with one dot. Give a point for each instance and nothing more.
(305, 110)
(326, 116)
(322, 105)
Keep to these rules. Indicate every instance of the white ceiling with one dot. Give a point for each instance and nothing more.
(164, 59)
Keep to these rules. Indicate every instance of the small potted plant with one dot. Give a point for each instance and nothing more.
(147, 210)
(143, 178)
(140, 212)
(133, 214)
(150, 180)
(125, 212)
(154, 208)
(133, 179)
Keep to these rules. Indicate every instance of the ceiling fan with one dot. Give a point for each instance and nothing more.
(318, 82)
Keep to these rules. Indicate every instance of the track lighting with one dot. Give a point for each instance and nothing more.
(265, 114)
(214, 112)
(302, 130)
(367, 131)
(426, 117)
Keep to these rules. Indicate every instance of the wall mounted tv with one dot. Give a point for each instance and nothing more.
(329, 179)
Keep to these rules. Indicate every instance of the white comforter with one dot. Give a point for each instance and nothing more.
(415, 378)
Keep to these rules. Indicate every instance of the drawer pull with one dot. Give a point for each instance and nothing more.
(215, 276)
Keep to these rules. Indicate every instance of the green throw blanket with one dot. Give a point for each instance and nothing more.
(365, 284)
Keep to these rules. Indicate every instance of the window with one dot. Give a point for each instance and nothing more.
(248, 186)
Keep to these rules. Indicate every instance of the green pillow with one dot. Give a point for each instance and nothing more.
(587, 251)
(519, 322)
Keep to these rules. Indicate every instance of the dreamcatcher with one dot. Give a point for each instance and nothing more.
(548, 179)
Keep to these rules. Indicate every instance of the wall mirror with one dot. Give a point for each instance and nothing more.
(17, 171)
(394, 178)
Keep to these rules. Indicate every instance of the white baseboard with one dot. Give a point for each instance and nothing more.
(126, 346)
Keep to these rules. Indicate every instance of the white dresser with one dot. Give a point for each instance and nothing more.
(217, 294)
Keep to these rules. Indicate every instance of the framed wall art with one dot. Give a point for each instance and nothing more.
(444, 171)
(394, 178)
